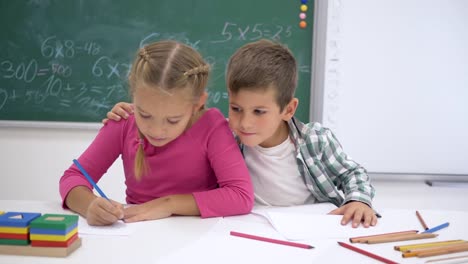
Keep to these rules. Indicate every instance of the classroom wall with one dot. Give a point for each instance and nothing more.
(32, 160)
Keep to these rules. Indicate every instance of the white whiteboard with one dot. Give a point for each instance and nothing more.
(396, 83)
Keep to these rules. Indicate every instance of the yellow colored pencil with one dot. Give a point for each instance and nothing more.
(417, 252)
(404, 248)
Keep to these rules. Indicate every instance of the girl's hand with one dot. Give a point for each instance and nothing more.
(104, 212)
(357, 212)
(152, 210)
(176, 204)
(119, 111)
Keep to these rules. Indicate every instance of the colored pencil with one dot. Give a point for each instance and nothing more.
(399, 238)
(421, 220)
(271, 240)
(451, 258)
(363, 239)
(90, 180)
(426, 245)
(437, 228)
(417, 252)
(367, 253)
(437, 252)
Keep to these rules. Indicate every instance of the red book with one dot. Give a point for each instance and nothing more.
(14, 236)
(43, 243)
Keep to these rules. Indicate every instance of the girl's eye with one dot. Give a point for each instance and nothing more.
(144, 116)
(173, 122)
(259, 112)
(235, 109)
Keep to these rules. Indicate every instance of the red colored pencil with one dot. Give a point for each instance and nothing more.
(271, 240)
(367, 253)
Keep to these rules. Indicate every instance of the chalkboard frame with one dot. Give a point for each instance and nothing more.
(304, 56)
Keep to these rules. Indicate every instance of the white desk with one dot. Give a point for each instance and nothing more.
(181, 239)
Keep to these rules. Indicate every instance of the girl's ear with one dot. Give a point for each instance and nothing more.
(201, 101)
(290, 109)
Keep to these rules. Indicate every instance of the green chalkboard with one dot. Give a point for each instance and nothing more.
(65, 60)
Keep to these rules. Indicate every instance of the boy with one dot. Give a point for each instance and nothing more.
(291, 163)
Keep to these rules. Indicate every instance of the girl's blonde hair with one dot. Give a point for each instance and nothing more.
(166, 65)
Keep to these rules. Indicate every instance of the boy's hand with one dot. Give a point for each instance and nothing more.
(357, 212)
(119, 110)
(103, 212)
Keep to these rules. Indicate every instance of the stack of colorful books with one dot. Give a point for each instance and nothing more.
(14, 227)
(24, 233)
(54, 230)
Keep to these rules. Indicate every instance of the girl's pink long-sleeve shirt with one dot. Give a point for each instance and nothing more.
(204, 161)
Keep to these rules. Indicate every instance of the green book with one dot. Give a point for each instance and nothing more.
(19, 242)
(54, 221)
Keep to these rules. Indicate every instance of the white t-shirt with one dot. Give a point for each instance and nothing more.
(275, 175)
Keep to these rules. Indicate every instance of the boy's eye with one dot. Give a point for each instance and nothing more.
(259, 112)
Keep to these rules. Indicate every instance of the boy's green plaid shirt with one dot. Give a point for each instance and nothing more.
(328, 172)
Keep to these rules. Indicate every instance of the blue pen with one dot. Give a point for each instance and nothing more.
(436, 228)
(90, 180)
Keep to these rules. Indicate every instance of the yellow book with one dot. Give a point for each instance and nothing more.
(14, 230)
(54, 237)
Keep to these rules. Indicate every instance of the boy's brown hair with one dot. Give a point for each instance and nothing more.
(263, 64)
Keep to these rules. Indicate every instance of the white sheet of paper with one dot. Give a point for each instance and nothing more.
(318, 208)
(117, 229)
(302, 226)
(218, 246)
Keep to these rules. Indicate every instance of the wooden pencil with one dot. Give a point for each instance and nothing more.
(404, 248)
(421, 220)
(437, 252)
(416, 252)
(400, 238)
(363, 239)
(450, 258)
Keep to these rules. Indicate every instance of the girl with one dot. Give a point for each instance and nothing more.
(179, 158)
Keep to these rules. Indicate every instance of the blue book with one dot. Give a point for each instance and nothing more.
(17, 219)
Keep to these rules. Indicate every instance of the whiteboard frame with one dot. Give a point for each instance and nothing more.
(317, 100)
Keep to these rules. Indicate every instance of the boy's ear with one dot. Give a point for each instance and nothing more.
(290, 109)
